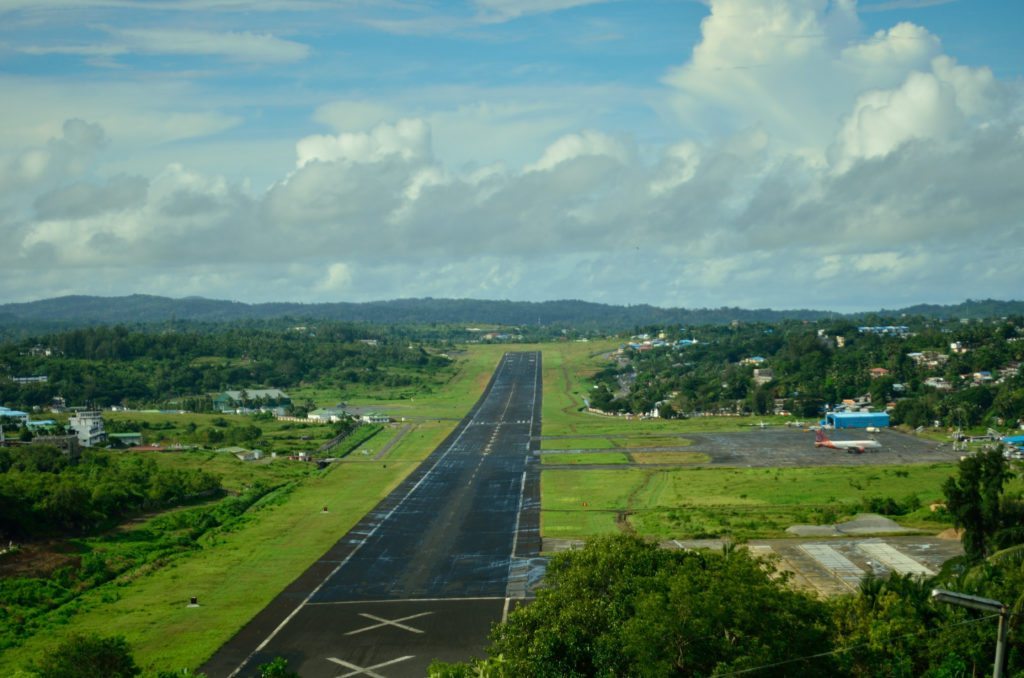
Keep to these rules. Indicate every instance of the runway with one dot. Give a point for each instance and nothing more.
(426, 573)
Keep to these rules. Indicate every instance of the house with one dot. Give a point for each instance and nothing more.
(327, 415)
(929, 359)
(250, 399)
(938, 383)
(14, 415)
(42, 379)
(763, 375)
(877, 372)
(885, 330)
(88, 426)
(753, 360)
(374, 418)
(125, 439)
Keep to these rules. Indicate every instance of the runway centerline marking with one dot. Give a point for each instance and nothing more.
(367, 671)
(389, 622)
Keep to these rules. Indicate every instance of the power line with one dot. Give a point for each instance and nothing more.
(855, 647)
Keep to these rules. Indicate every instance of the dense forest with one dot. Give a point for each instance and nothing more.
(104, 366)
(813, 365)
(579, 315)
(44, 492)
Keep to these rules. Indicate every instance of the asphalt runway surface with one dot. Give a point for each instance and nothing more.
(787, 447)
(426, 573)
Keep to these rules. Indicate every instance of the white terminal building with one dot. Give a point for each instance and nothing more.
(88, 426)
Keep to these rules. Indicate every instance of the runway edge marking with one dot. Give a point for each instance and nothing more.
(465, 426)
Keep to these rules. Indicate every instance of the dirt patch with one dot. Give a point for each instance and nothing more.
(862, 524)
(669, 457)
(622, 522)
(951, 534)
(38, 559)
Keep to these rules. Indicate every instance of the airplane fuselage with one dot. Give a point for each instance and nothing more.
(858, 446)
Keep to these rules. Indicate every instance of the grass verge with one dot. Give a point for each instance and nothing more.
(743, 503)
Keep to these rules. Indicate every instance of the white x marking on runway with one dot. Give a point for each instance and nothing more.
(368, 671)
(389, 622)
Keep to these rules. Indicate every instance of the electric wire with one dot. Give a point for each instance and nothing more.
(854, 647)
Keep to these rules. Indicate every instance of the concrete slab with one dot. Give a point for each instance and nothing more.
(893, 559)
(836, 563)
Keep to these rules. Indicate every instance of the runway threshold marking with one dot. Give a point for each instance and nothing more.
(352, 553)
(365, 671)
(389, 622)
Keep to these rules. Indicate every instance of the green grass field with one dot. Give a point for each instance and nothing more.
(638, 443)
(620, 442)
(236, 575)
(586, 458)
(239, 572)
(743, 503)
(234, 578)
(641, 457)
(577, 444)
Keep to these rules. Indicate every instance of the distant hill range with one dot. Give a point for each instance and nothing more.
(139, 308)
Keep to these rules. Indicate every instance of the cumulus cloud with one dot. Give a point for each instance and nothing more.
(408, 139)
(572, 146)
(819, 163)
(68, 155)
(85, 199)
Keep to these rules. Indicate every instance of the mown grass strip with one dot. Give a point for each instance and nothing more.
(234, 576)
(585, 458)
(663, 502)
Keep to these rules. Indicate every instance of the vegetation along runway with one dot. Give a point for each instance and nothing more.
(425, 573)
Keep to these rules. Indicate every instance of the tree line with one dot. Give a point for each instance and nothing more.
(112, 365)
(45, 492)
(810, 370)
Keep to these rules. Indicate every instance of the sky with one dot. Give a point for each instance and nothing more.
(826, 154)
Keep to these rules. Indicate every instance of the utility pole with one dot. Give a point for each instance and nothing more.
(985, 605)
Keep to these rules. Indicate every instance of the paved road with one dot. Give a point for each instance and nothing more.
(426, 573)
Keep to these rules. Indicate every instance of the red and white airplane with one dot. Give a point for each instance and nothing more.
(851, 446)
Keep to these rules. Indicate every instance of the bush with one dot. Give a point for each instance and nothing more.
(81, 656)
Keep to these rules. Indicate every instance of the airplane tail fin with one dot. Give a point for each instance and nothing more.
(820, 437)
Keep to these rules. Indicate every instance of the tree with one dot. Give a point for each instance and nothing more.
(623, 606)
(88, 656)
(276, 668)
(973, 500)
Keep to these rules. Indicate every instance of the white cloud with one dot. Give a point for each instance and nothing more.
(237, 46)
(355, 115)
(170, 5)
(243, 46)
(572, 146)
(507, 9)
(933, 106)
(133, 113)
(408, 139)
(826, 170)
(337, 279)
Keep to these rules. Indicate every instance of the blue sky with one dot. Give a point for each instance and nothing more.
(783, 153)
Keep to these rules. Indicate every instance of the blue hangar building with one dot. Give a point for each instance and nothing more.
(856, 419)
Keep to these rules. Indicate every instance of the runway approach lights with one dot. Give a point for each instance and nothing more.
(985, 605)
